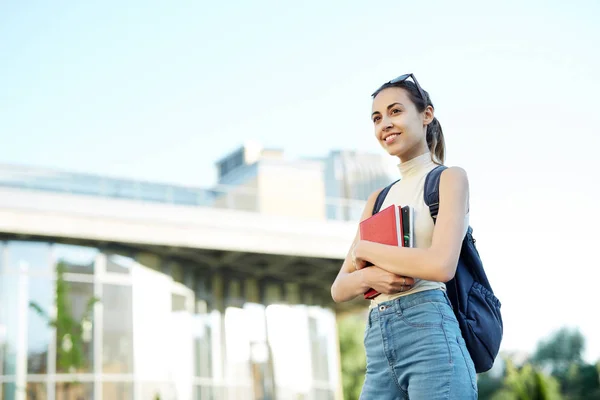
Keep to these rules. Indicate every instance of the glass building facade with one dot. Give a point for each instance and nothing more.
(355, 175)
(80, 322)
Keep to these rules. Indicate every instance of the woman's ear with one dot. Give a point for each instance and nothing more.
(428, 115)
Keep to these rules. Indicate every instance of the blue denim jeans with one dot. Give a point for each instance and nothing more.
(415, 351)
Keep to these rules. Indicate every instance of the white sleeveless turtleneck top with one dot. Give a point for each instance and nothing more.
(409, 192)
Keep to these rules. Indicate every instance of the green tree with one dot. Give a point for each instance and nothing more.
(562, 354)
(69, 331)
(560, 350)
(353, 359)
(488, 385)
(527, 383)
(582, 381)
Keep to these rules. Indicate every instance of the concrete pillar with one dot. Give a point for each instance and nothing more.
(252, 290)
(292, 293)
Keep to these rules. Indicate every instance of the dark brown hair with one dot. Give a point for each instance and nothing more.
(434, 136)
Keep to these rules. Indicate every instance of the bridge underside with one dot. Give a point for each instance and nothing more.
(310, 278)
(300, 256)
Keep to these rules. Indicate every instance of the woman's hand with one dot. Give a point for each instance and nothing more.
(386, 282)
(357, 262)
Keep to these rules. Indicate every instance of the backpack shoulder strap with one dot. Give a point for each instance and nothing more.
(381, 197)
(431, 191)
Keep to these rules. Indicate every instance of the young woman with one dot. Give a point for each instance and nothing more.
(413, 343)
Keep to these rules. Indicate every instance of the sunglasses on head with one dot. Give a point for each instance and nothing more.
(402, 78)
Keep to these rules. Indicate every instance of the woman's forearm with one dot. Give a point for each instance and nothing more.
(348, 285)
(414, 262)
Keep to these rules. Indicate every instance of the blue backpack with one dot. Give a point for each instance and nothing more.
(475, 306)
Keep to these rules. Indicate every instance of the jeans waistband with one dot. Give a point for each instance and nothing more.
(402, 303)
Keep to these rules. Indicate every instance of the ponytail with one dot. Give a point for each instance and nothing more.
(435, 142)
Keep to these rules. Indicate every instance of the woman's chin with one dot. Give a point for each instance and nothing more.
(393, 149)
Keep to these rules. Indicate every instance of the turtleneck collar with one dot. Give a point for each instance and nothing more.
(416, 165)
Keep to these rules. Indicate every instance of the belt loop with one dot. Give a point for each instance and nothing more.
(398, 305)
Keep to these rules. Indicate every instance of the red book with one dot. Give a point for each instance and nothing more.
(385, 227)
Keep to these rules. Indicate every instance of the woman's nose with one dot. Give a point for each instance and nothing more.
(386, 123)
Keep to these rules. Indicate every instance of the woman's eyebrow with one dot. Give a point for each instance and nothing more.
(388, 107)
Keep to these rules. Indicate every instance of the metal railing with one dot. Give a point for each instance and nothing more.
(219, 196)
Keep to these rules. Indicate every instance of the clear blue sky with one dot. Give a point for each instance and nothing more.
(160, 90)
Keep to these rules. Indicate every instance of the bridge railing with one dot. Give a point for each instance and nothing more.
(219, 196)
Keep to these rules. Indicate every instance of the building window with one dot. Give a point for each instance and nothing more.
(9, 322)
(117, 335)
(75, 259)
(119, 264)
(29, 256)
(74, 391)
(177, 272)
(35, 391)
(74, 331)
(9, 390)
(117, 390)
(39, 333)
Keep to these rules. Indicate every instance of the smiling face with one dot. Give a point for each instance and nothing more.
(399, 127)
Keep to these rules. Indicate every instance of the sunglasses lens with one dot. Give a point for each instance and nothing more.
(400, 78)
